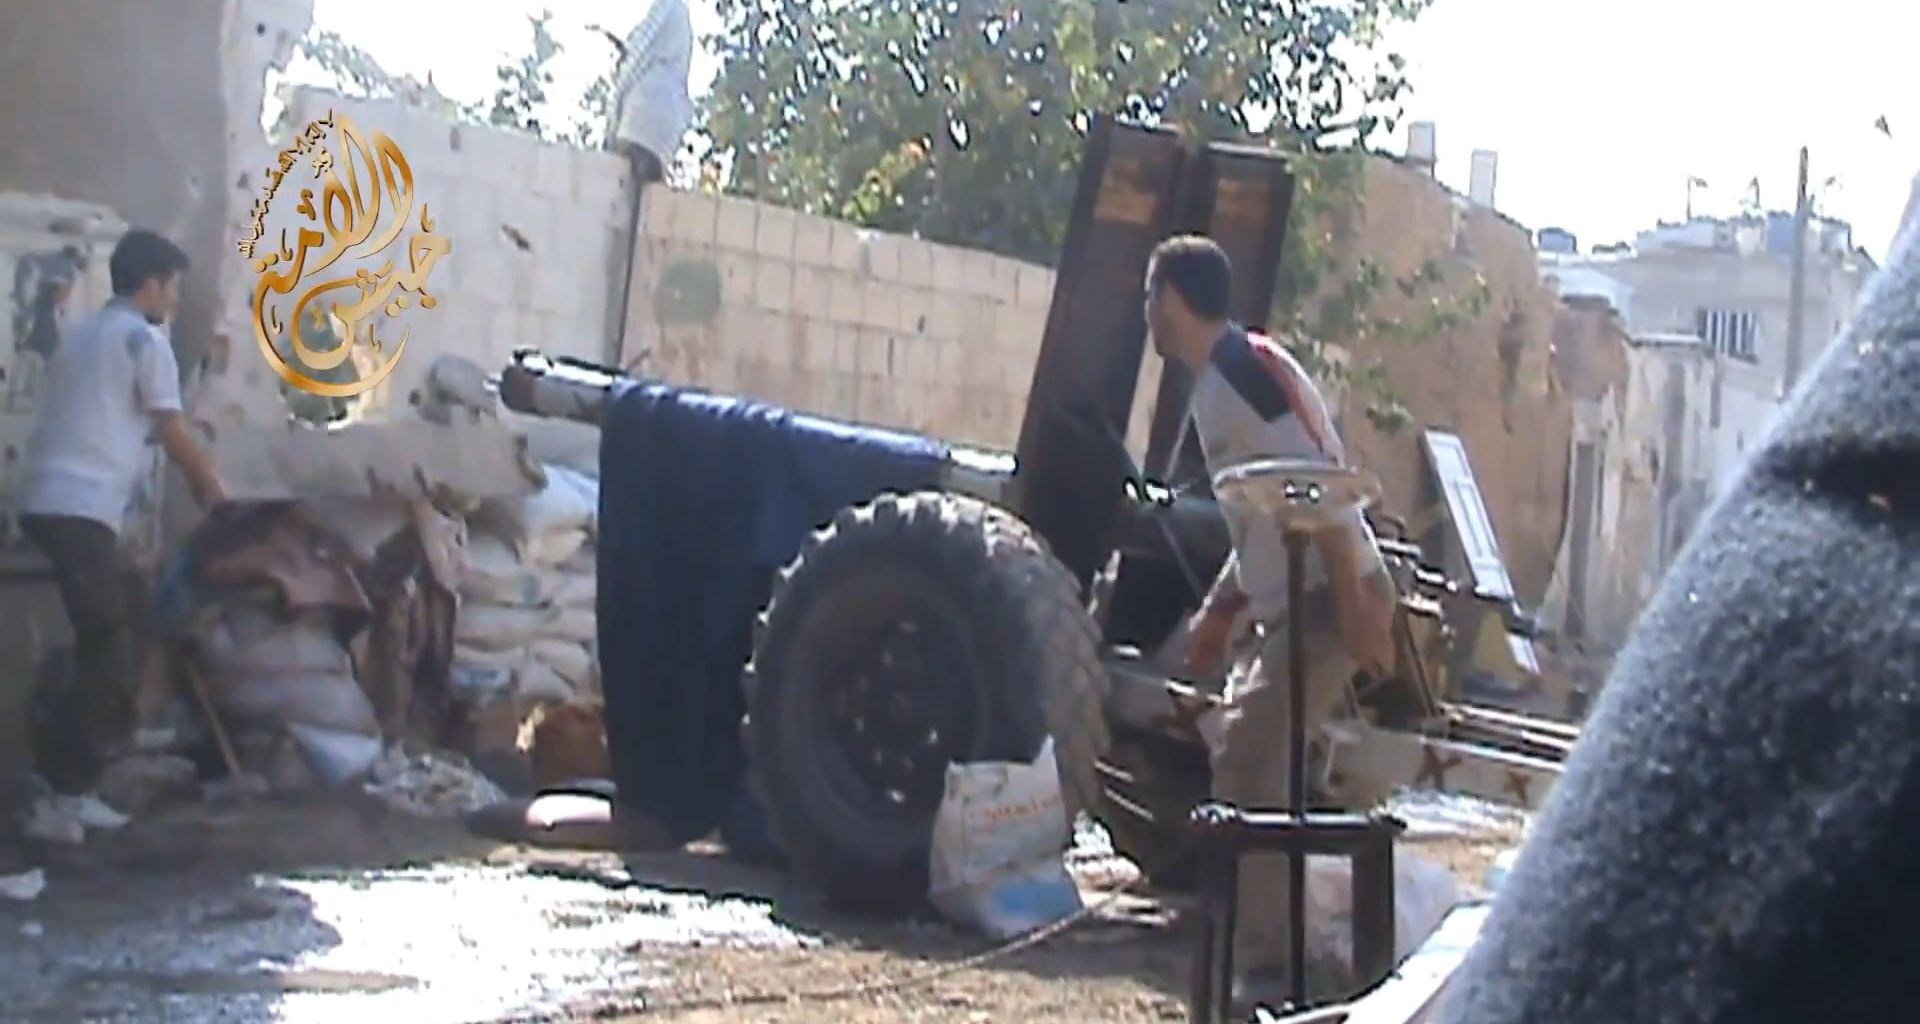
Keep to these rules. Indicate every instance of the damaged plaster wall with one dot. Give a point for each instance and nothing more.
(124, 104)
(1655, 439)
(1490, 380)
(134, 108)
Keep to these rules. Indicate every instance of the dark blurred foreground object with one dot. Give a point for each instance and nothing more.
(1731, 841)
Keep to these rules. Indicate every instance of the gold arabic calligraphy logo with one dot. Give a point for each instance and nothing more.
(346, 218)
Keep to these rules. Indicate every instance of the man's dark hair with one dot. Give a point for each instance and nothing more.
(142, 256)
(1198, 269)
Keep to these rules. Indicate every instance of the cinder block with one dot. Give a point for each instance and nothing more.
(842, 398)
(812, 291)
(848, 248)
(736, 278)
(1033, 285)
(773, 236)
(553, 171)
(877, 402)
(913, 360)
(555, 282)
(773, 284)
(950, 269)
(816, 346)
(669, 213)
(1008, 323)
(916, 311)
(846, 298)
(977, 273)
(600, 180)
(846, 350)
(812, 240)
(884, 255)
(916, 263)
(721, 375)
(876, 353)
(1006, 280)
(956, 359)
(736, 224)
(879, 304)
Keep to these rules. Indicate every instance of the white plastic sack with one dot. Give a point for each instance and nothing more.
(998, 842)
(544, 550)
(1424, 891)
(574, 625)
(480, 682)
(567, 503)
(570, 661)
(540, 684)
(496, 627)
(336, 757)
(494, 574)
(574, 590)
(287, 673)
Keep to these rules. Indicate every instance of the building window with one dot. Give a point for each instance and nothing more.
(1729, 332)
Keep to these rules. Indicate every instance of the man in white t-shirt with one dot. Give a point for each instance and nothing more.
(1252, 401)
(110, 390)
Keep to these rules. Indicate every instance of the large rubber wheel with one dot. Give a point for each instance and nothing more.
(1149, 786)
(908, 634)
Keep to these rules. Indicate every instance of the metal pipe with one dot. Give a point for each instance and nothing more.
(1296, 541)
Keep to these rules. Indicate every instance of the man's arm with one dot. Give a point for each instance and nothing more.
(1225, 598)
(183, 449)
(157, 385)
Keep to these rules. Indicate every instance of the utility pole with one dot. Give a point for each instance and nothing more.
(1797, 288)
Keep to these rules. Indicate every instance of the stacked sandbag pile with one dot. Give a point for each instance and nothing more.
(525, 631)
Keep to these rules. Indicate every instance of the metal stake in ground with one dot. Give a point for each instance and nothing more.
(1305, 498)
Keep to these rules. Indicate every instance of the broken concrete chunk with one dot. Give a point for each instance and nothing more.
(24, 887)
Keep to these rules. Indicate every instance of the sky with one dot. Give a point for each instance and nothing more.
(1600, 110)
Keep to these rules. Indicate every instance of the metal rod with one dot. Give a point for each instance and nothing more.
(1797, 282)
(1297, 760)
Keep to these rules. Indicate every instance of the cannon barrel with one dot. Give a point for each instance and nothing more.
(537, 384)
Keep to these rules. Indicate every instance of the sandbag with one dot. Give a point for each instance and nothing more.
(326, 700)
(576, 625)
(494, 574)
(568, 502)
(535, 681)
(336, 757)
(289, 673)
(551, 547)
(494, 627)
(571, 661)
(1424, 891)
(247, 640)
(573, 590)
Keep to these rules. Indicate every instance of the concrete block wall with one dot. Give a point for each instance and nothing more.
(822, 316)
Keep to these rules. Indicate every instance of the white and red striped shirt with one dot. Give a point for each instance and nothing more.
(1249, 422)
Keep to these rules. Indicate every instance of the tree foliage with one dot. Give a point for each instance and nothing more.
(961, 121)
(522, 101)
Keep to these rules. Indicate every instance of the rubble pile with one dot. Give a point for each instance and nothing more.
(319, 633)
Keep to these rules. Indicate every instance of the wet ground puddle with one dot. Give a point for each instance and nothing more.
(444, 945)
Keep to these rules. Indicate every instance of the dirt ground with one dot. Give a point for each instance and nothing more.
(193, 876)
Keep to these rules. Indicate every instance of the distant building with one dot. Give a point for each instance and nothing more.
(1727, 282)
